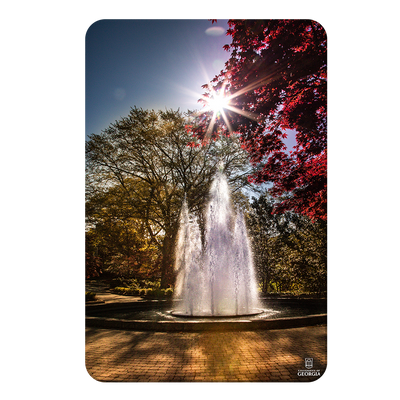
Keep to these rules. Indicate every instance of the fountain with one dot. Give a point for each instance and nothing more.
(219, 280)
(215, 283)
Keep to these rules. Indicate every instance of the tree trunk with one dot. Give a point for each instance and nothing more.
(168, 253)
(265, 285)
(165, 263)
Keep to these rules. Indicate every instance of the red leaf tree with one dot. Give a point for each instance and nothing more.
(275, 80)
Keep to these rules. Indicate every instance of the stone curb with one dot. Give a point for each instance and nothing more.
(200, 326)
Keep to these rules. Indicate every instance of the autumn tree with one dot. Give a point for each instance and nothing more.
(116, 239)
(145, 158)
(276, 80)
(93, 263)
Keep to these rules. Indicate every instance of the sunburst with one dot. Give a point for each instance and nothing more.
(219, 101)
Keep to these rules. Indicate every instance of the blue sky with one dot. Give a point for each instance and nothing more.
(152, 64)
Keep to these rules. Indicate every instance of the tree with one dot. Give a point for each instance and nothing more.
(269, 232)
(290, 250)
(275, 80)
(146, 161)
(117, 240)
(93, 264)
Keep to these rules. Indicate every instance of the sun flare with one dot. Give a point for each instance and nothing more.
(218, 102)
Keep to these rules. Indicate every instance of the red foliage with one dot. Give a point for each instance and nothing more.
(278, 72)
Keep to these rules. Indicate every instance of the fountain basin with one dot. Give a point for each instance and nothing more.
(158, 316)
(209, 316)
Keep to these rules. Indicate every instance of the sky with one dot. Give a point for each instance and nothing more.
(151, 64)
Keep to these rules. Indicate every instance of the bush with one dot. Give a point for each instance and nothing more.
(157, 293)
(149, 292)
(129, 291)
(90, 296)
(121, 290)
(117, 282)
(150, 284)
(133, 284)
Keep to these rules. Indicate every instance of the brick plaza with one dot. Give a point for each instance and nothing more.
(250, 356)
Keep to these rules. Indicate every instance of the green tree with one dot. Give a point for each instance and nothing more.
(290, 249)
(147, 160)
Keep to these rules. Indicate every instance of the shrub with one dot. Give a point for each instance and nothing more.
(117, 282)
(158, 293)
(90, 296)
(149, 292)
(133, 283)
(120, 290)
(149, 284)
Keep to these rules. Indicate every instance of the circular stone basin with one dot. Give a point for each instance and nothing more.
(159, 316)
(184, 315)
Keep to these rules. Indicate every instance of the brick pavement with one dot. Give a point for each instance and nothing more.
(262, 356)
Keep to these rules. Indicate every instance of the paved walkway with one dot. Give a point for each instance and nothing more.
(115, 298)
(104, 294)
(262, 356)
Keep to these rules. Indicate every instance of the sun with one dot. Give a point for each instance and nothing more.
(218, 102)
